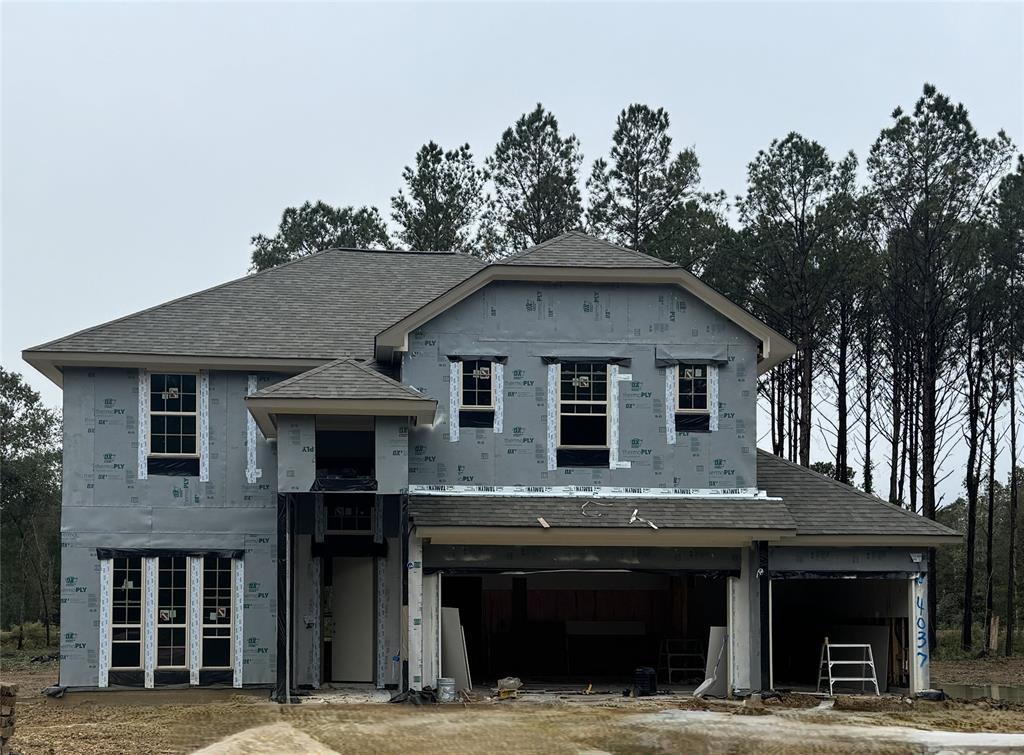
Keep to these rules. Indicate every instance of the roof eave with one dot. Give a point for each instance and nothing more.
(665, 537)
(775, 348)
(265, 409)
(52, 363)
(870, 539)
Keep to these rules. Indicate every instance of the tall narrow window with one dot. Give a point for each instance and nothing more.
(126, 614)
(172, 612)
(173, 416)
(583, 414)
(692, 403)
(217, 597)
(476, 393)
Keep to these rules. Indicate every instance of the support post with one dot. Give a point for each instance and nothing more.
(920, 652)
(414, 568)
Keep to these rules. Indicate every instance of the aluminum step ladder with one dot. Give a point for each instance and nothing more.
(827, 662)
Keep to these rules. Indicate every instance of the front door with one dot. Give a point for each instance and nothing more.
(352, 645)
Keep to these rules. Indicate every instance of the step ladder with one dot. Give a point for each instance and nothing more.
(827, 662)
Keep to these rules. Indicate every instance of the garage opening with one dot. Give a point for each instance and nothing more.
(578, 627)
(850, 611)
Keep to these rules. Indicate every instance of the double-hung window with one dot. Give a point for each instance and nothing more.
(173, 403)
(583, 414)
(126, 613)
(172, 612)
(476, 393)
(693, 403)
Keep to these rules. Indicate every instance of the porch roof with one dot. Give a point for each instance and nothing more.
(342, 387)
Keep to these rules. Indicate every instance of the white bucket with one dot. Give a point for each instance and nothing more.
(445, 690)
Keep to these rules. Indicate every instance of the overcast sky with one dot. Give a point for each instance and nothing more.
(144, 144)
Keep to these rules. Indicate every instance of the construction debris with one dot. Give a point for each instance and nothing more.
(509, 687)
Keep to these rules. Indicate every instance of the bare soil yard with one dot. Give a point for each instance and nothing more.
(535, 724)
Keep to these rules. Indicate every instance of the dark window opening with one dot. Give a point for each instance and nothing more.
(476, 418)
(344, 460)
(583, 414)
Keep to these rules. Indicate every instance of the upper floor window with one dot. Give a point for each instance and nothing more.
(476, 393)
(173, 415)
(477, 390)
(693, 389)
(583, 414)
(693, 403)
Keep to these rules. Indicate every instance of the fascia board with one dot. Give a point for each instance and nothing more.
(606, 536)
(50, 363)
(910, 541)
(264, 410)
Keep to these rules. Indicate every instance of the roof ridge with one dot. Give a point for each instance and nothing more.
(186, 297)
(849, 488)
(357, 363)
(584, 235)
(311, 371)
(386, 378)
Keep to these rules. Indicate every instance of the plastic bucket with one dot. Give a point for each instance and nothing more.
(445, 690)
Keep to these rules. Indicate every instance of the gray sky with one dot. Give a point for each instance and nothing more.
(143, 144)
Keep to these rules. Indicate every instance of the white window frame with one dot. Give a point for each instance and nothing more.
(153, 413)
(607, 413)
(204, 625)
(184, 625)
(141, 625)
(462, 378)
(707, 389)
(341, 502)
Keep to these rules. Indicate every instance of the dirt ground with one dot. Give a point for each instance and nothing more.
(236, 724)
(988, 670)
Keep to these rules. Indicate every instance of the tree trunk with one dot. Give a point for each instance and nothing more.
(989, 535)
(894, 443)
(806, 375)
(1011, 570)
(868, 475)
(929, 425)
(841, 400)
(971, 485)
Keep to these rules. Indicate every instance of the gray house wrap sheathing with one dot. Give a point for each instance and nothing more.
(288, 479)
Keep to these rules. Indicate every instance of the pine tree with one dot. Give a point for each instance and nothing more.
(642, 182)
(442, 200)
(535, 176)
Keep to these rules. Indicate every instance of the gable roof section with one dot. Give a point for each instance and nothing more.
(343, 386)
(576, 258)
(828, 510)
(577, 249)
(320, 307)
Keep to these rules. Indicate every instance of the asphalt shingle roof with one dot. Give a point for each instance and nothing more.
(340, 379)
(577, 249)
(328, 305)
(811, 504)
(703, 513)
(823, 506)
